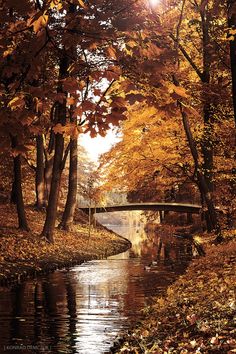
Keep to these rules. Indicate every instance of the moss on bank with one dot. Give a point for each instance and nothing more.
(198, 313)
(24, 254)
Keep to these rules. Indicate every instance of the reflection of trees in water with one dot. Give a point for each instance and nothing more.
(160, 247)
(17, 310)
(42, 316)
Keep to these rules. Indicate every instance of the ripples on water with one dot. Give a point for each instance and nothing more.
(84, 308)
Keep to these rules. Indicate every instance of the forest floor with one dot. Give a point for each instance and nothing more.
(24, 254)
(198, 312)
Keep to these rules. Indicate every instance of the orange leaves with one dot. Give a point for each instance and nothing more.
(8, 51)
(70, 101)
(177, 92)
(38, 21)
(70, 129)
(56, 4)
(152, 51)
(111, 52)
(82, 4)
(17, 102)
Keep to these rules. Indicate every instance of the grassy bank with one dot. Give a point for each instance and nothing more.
(24, 254)
(198, 312)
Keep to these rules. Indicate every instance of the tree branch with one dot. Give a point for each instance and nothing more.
(187, 56)
(31, 165)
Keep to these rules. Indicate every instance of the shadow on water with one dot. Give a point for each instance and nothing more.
(84, 308)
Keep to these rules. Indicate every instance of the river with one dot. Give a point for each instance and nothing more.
(84, 308)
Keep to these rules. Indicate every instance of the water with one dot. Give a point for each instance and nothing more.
(84, 308)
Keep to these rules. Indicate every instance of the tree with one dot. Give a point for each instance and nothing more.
(37, 39)
(69, 210)
(60, 117)
(231, 15)
(158, 69)
(22, 221)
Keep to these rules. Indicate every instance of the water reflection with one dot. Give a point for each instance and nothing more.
(81, 310)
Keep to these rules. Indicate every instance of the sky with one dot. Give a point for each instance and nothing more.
(97, 146)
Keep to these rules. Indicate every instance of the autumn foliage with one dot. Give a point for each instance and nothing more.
(164, 74)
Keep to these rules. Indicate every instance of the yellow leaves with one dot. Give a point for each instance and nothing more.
(82, 4)
(56, 4)
(17, 102)
(8, 51)
(232, 31)
(160, 302)
(38, 21)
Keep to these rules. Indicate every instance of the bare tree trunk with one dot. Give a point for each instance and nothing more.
(22, 221)
(60, 113)
(39, 176)
(68, 214)
(13, 192)
(48, 176)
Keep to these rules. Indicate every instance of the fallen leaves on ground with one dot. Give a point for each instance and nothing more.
(198, 314)
(22, 252)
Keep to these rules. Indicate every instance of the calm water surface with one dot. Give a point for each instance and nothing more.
(83, 309)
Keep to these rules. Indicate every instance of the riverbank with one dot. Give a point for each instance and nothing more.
(26, 254)
(198, 312)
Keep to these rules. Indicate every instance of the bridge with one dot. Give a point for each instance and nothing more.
(177, 207)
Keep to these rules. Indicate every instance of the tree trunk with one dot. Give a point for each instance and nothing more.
(207, 148)
(48, 176)
(232, 25)
(201, 179)
(68, 214)
(13, 192)
(60, 113)
(55, 185)
(22, 221)
(39, 177)
(207, 143)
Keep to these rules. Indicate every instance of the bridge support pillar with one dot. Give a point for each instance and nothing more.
(161, 215)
